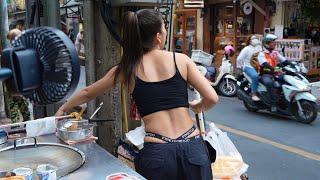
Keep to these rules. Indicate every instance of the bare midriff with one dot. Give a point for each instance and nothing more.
(170, 123)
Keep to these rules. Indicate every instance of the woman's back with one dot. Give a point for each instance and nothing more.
(160, 91)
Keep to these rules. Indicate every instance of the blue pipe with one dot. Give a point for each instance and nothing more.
(5, 73)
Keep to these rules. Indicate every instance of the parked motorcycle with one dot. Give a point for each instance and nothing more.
(293, 93)
(221, 79)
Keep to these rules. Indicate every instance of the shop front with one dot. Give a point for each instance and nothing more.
(231, 23)
(188, 22)
(300, 32)
(210, 25)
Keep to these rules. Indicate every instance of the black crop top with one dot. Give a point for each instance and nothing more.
(151, 97)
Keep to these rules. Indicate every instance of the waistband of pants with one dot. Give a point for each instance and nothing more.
(180, 139)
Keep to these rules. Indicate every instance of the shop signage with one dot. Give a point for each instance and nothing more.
(193, 3)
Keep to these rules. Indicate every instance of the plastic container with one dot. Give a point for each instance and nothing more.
(47, 172)
(202, 57)
(26, 172)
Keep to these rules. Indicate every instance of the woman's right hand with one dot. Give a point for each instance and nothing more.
(60, 112)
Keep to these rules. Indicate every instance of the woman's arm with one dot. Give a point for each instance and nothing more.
(89, 92)
(202, 85)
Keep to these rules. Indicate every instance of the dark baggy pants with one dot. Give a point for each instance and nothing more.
(186, 160)
(268, 81)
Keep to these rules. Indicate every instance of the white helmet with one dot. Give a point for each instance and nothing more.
(267, 39)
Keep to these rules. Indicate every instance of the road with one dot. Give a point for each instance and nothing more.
(274, 147)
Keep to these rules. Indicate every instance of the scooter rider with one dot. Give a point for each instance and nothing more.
(268, 59)
(229, 51)
(244, 62)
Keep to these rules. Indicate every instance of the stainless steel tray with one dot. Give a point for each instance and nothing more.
(66, 158)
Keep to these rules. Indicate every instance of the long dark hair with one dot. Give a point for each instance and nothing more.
(139, 31)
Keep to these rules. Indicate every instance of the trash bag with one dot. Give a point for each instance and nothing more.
(229, 163)
(136, 136)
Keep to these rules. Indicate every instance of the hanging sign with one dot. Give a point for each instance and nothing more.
(193, 3)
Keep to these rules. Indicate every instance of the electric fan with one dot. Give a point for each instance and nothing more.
(41, 65)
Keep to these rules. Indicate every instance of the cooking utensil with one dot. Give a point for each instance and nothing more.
(68, 124)
(95, 112)
(83, 131)
(66, 158)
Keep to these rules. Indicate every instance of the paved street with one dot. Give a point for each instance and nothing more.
(276, 147)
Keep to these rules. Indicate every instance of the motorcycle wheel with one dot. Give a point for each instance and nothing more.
(228, 88)
(249, 108)
(309, 113)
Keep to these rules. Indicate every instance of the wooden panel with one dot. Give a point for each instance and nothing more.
(259, 19)
(206, 30)
(187, 19)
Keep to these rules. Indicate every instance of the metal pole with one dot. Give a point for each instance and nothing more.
(28, 13)
(89, 42)
(4, 28)
(53, 13)
(52, 19)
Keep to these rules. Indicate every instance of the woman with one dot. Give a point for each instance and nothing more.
(158, 81)
(228, 51)
(244, 60)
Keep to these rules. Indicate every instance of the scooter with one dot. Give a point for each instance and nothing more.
(292, 91)
(223, 81)
(299, 70)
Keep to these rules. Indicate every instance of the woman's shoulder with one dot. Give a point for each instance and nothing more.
(247, 48)
(180, 57)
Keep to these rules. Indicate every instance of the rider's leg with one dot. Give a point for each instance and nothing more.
(254, 85)
(268, 82)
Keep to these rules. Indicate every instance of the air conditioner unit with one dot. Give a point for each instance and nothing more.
(140, 2)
